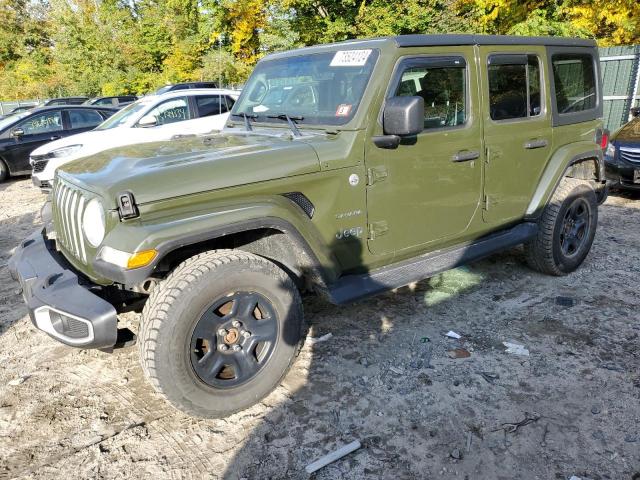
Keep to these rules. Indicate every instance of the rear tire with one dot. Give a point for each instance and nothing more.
(567, 228)
(220, 332)
(4, 171)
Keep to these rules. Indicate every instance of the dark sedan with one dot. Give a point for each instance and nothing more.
(622, 157)
(23, 132)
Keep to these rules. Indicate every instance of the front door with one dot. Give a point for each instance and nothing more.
(36, 130)
(517, 129)
(429, 187)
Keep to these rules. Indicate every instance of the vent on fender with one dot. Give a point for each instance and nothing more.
(303, 202)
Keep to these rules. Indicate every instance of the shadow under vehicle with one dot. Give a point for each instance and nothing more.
(374, 164)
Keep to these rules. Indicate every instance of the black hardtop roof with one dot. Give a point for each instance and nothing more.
(420, 40)
(463, 39)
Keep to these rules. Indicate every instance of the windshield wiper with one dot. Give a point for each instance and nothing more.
(246, 116)
(291, 120)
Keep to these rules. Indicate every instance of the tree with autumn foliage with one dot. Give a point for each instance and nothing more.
(108, 47)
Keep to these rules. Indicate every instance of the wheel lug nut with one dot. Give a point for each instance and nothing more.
(236, 323)
(222, 332)
(223, 347)
(246, 334)
(237, 348)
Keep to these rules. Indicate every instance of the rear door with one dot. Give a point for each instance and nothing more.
(82, 120)
(428, 188)
(37, 129)
(517, 128)
(212, 112)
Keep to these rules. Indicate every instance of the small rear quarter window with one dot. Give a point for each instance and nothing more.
(575, 82)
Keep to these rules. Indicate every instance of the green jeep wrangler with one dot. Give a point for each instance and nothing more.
(347, 170)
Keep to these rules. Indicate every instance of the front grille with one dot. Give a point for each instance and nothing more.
(39, 165)
(630, 154)
(68, 203)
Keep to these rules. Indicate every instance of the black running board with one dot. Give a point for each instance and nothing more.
(356, 287)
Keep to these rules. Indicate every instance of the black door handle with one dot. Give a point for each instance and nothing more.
(538, 143)
(465, 156)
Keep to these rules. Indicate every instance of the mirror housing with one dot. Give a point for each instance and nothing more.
(402, 117)
(148, 121)
(635, 112)
(17, 133)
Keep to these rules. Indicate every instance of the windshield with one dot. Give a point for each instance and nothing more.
(122, 116)
(322, 88)
(12, 118)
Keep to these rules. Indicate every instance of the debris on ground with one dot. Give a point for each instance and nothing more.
(456, 454)
(489, 376)
(516, 349)
(452, 334)
(425, 340)
(18, 381)
(459, 353)
(323, 338)
(565, 301)
(513, 427)
(397, 371)
(333, 456)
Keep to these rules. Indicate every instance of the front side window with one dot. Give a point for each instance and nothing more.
(84, 118)
(442, 84)
(43, 123)
(514, 86)
(575, 82)
(171, 111)
(321, 88)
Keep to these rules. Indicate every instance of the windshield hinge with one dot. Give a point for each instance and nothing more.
(376, 174)
(377, 229)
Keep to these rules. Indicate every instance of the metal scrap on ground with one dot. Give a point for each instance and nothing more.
(333, 456)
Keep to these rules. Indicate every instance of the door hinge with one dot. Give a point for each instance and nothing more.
(376, 174)
(485, 202)
(377, 229)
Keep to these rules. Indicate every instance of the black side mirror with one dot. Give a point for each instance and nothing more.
(402, 117)
(635, 112)
(17, 133)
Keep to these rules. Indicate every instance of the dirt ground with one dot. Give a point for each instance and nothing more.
(384, 378)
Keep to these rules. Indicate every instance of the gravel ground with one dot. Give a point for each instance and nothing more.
(385, 377)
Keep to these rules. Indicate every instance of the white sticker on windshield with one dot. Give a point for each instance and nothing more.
(350, 58)
(260, 109)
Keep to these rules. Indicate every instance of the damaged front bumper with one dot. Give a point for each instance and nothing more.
(60, 302)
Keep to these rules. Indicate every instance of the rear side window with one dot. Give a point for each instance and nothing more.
(575, 82)
(210, 105)
(514, 87)
(104, 101)
(441, 82)
(84, 118)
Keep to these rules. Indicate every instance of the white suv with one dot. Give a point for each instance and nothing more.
(150, 119)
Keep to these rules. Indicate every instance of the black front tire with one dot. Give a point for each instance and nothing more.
(567, 228)
(4, 171)
(202, 289)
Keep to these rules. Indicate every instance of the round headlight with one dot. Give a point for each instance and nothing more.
(93, 223)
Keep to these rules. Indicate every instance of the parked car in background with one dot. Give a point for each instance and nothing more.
(23, 108)
(23, 132)
(150, 119)
(622, 156)
(116, 102)
(185, 86)
(65, 101)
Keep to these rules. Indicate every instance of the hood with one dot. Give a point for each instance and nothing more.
(192, 164)
(629, 133)
(85, 138)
